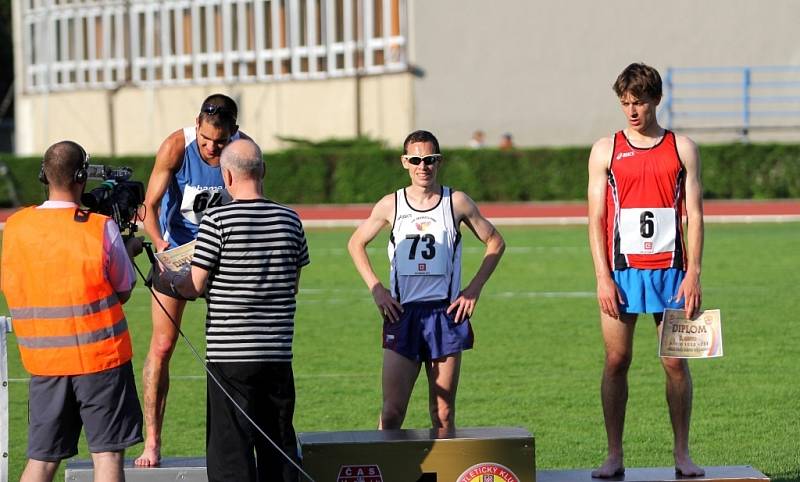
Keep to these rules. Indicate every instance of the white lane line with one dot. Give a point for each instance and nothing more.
(575, 220)
(564, 220)
(203, 377)
(324, 291)
(467, 249)
(543, 294)
(752, 218)
(357, 295)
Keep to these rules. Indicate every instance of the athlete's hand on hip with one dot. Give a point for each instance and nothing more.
(609, 297)
(464, 305)
(388, 307)
(691, 291)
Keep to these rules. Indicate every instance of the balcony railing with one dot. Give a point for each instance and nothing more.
(738, 99)
(93, 44)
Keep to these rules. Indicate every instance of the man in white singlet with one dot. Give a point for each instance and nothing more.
(425, 314)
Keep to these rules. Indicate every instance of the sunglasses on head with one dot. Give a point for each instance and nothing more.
(212, 109)
(429, 160)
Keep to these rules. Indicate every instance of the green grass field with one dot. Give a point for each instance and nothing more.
(538, 355)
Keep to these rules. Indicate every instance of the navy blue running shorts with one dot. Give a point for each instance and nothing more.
(426, 332)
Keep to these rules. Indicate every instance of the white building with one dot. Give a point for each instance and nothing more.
(120, 75)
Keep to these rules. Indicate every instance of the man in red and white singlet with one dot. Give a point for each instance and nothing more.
(644, 205)
(641, 180)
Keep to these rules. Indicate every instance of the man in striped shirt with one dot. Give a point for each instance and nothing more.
(247, 261)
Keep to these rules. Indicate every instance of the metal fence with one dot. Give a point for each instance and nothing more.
(5, 327)
(739, 99)
(94, 44)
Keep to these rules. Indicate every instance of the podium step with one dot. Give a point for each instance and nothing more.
(469, 454)
(738, 473)
(183, 469)
(193, 469)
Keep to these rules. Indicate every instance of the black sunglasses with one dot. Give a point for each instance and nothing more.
(428, 160)
(212, 109)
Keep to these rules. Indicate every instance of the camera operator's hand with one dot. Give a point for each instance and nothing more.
(134, 246)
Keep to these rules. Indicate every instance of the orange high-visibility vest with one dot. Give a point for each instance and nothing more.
(66, 315)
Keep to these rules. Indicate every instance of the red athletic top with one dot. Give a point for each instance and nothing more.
(644, 205)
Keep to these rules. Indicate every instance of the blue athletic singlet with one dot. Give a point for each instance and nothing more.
(193, 189)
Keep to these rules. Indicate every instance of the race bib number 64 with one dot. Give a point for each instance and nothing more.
(197, 200)
(647, 230)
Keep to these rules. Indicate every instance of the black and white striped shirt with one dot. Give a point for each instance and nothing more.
(253, 251)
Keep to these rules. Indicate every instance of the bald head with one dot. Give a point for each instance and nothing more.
(243, 159)
(61, 161)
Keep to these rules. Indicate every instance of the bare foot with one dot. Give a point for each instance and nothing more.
(684, 467)
(612, 467)
(151, 457)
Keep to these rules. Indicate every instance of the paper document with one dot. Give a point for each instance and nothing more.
(700, 337)
(177, 259)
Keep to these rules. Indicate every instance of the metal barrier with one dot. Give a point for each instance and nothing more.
(738, 99)
(5, 327)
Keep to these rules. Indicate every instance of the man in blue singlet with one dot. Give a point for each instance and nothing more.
(185, 181)
(425, 312)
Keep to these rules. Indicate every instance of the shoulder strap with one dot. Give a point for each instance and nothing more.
(189, 135)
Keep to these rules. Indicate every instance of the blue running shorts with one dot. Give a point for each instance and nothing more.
(426, 332)
(649, 290)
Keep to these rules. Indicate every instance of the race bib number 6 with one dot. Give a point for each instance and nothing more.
(647, 230)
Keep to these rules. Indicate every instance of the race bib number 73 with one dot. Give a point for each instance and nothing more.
(420, 254)
(647, 230)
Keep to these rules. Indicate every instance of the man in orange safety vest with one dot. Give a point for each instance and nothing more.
(65, 275)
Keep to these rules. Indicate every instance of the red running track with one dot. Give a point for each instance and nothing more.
(561, 209)
(542, 210)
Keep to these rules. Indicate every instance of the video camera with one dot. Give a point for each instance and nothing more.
(116, 196)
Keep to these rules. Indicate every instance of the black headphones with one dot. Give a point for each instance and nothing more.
(80, 175)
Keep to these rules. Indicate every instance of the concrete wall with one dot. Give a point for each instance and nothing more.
(543, 70)
(387, 103)
(144, 117)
